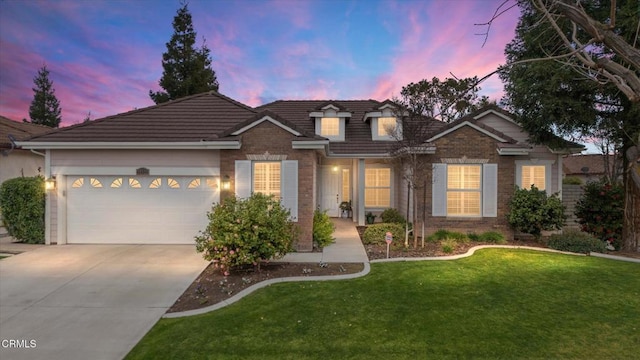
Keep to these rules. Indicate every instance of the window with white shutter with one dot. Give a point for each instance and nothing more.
(464, 190)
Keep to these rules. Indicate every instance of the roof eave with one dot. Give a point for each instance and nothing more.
(156, 145)
(309, 144)
(514, 152)
(567, 151)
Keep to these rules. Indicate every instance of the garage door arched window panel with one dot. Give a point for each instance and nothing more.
(194, 183)
(116, 183)
(212, 184)
(155, 183)
(95, 183)
(77, 183)
(134, 183)
(173, 183)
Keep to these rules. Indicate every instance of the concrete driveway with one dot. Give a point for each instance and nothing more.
(88, 301)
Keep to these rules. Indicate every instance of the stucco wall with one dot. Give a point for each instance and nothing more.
(20, 163)
(136, 158)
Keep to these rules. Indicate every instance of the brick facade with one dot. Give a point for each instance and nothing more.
(469, 143)
(267, 137)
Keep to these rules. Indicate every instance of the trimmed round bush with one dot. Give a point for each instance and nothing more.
(532, 211)
(392, 215)
(577, 242)
(23, 201)
(246, 232)
(374, 234)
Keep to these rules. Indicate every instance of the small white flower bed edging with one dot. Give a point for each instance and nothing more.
(472, 251)
(614, 257)
(266, 283)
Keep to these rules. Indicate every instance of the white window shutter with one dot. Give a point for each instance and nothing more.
(243, 178)
(290, 187)
(490, 190)
(439, 190)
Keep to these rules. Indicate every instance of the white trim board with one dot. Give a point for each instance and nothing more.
(131, 170)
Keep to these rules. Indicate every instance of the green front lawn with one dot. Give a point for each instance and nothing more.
(497, 304)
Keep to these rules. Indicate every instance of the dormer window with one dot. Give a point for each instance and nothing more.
(330, 127)
(330, 121)
(385, 128)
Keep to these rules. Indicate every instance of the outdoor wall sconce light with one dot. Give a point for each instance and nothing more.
(50, 183)
(226, 183)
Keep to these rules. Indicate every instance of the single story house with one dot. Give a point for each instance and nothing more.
(150, 175)
(591, 167)
(14, 161)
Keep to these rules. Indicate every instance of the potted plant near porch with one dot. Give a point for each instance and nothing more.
(370, 217)
(345, 208)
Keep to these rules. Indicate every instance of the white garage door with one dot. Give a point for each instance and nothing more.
(138, 209)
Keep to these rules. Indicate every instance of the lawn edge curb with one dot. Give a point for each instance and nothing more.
(263, 284)
(471, 251)
(614, 257)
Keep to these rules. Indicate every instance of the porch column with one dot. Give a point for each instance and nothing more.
(360, 182)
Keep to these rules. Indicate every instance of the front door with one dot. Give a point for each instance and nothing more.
(330, 191)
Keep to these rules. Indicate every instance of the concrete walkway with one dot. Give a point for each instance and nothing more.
(346, 249)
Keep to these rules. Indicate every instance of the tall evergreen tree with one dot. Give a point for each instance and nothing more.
(187, 69)
(45, 107)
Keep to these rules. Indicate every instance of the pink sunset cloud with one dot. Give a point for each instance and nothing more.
(445, 45)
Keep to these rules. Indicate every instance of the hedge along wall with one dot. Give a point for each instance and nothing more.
(23, 205)
(570, 196)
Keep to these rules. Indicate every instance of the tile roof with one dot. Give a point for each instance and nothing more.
(19, 130)
(357, 132)
(212, 116)
(193, 118)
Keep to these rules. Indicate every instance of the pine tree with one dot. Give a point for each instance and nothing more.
(187, 69)
(45, 107)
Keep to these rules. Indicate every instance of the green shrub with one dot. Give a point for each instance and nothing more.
(600, 211)
(441, 234)
(23, 201)
(571, 180)
(449, 245)
(446, 234)
(246, 231)
(532, 211)
(473, 237)
(392, 216)
(492, 237)
(374, 234)
(576, 241)
(322, 229)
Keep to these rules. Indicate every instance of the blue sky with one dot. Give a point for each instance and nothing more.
(105, 56)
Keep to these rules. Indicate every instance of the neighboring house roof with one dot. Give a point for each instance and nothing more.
(591, 164)
(19, 130)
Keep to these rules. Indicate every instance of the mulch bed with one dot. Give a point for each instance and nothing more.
(211, 286)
